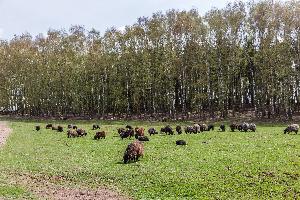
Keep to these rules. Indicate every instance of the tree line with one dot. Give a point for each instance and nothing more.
(244, 56)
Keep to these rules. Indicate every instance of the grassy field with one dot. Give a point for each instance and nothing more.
(214, 165)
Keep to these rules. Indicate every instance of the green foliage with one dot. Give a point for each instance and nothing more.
(243, 56)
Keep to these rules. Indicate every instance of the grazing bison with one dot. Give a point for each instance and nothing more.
(211, 127)
(37, 128)
(178, 129)
(189, 129)
(72, 133)
(81, 132)
(128, 133)
(96, 126)
(180, 142)
(60, 129)
(167, 129)
(233, 126)
(222, 128)
(100, 135)
(292, 128)
(48, 126)
(196, 128)
(152, 131)
(133, 151)
(203, 127)
(143, 138)
(139, 132)
(252, 127)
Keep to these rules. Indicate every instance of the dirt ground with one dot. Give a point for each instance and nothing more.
(45, 188)
(4, 132)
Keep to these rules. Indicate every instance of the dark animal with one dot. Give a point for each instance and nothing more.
(96, 126)
(203, 127)
(70, 126)
(189, 129)
(211, 127)
(74, 127)
(143, 138)
(292, 128)
(37, 128)
(81, 132)
(60, 129)
(129, 127)
(152, 131)
(128, 133)
(72, 133)
(100, 135)
(167, 129)
(48, 126)
(252, 127)
(121, 130)
(222, 127)
(178, 129)
(196, 128)
(139, 132)
(180, 142)
(133, 151)
(233, 126)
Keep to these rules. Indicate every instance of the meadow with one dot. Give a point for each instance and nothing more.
(213, 165)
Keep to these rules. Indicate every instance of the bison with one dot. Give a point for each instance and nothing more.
(211, 127)
(128, 133)
(72, 133)
(152, 131)
(189, 129)
(48, 126)
(292, 128)
(178, 129)
(180, 142)
(133, 151)
(100, 135)
(143, 138)
(167, 129)
(96, 126)
(81, 132)
(37, 128)
(233, 126)
(222, 128)
(60, 129)
(139, 132)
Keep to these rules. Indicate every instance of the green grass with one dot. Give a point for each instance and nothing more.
(214, 165)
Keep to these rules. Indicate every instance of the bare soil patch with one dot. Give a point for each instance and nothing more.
(48, 188)
(4, 132)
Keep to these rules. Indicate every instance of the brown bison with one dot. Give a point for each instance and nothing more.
(139, 132)
(72, 133)
(81, 132)
(48, 126)
(133, 151)
(100, 135)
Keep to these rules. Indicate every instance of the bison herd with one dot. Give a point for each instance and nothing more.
(136, 149)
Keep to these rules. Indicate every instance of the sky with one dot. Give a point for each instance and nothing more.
(37, 16)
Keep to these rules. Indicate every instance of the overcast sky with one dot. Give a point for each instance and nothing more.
(37, 16)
